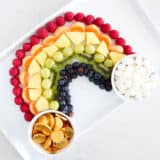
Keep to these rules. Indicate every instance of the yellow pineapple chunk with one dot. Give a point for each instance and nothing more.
(35, 81)
(50, 50)
(42, 104)
(91, 38)
(36, 48)
(63, 42)
(116, 56)
(34, 94)
(41, 58)
(34, 67)
(76, 37)
(103, 49)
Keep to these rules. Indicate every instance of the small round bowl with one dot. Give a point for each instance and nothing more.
(38, 147)
(123, 97)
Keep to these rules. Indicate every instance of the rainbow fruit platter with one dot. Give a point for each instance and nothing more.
(70, 46)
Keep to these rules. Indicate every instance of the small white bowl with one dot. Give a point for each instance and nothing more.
(123, 97)
(38, 147)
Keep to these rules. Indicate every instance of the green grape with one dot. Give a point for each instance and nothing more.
(67, 52)
(90, 49)
(58, 56)
(99, 58)
(46, 83)
(54, 105)
(49, 63)
(48, 93)
(79, 49)
(108, 63)
(45, 72)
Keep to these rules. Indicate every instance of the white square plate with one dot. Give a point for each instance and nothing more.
(95, 104)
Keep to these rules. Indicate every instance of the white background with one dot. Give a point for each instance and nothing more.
(131, 133)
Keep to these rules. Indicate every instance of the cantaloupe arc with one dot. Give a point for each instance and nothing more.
(78, 27)
(106, 39)
(36, 48)
(61, 30)
(26, 62)
(32, 108)
(50, 40)
(23, 77)
(25, 95)
(93, 28)
(116, 48)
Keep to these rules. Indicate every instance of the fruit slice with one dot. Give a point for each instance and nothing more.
(67, 52)
(39, 138)
(26, 62)
(49, 40)
(91, 38)
(63, 42)
(25, 95)
(36, 49)
(61, 30)
(48, 93)
(51, 120)
(58, 56)
(78, 26)
(116, 48)
(99, 58)
(54, 105)
(50, 63)
(23, 77)
(34, 94)
(50, 50)
(106, 39)
(108, 63)
(45, 72)
(35, 81)
(76, 37)
(57, 136)
(42, 104)
(34, 67)
(116, 56)
(43, 128)
(41, 58)
(43, 119)
(103, 49)
(90, 49)
(78, 49)
(68, 132)
(32, 108)
(60, 145)
(47, 143)
(93, 28)
(58, 124)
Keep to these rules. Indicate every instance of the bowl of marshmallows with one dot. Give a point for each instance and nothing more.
(133, 78)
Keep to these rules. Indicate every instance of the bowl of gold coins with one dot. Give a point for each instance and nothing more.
(51, 132)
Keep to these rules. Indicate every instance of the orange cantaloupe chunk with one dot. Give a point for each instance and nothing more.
(26, 62)
(32, 108)
(106, 39)
(61, 30)
(23, 77)
(25, 95)
(93, 28)
(36, 49)
(78, 27)
(116, 48)
(49, 40)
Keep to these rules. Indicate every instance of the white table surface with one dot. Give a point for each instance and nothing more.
(131, 133)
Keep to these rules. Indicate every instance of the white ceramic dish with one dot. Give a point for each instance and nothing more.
(37, 147)
(123, 97)
(131, 21)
